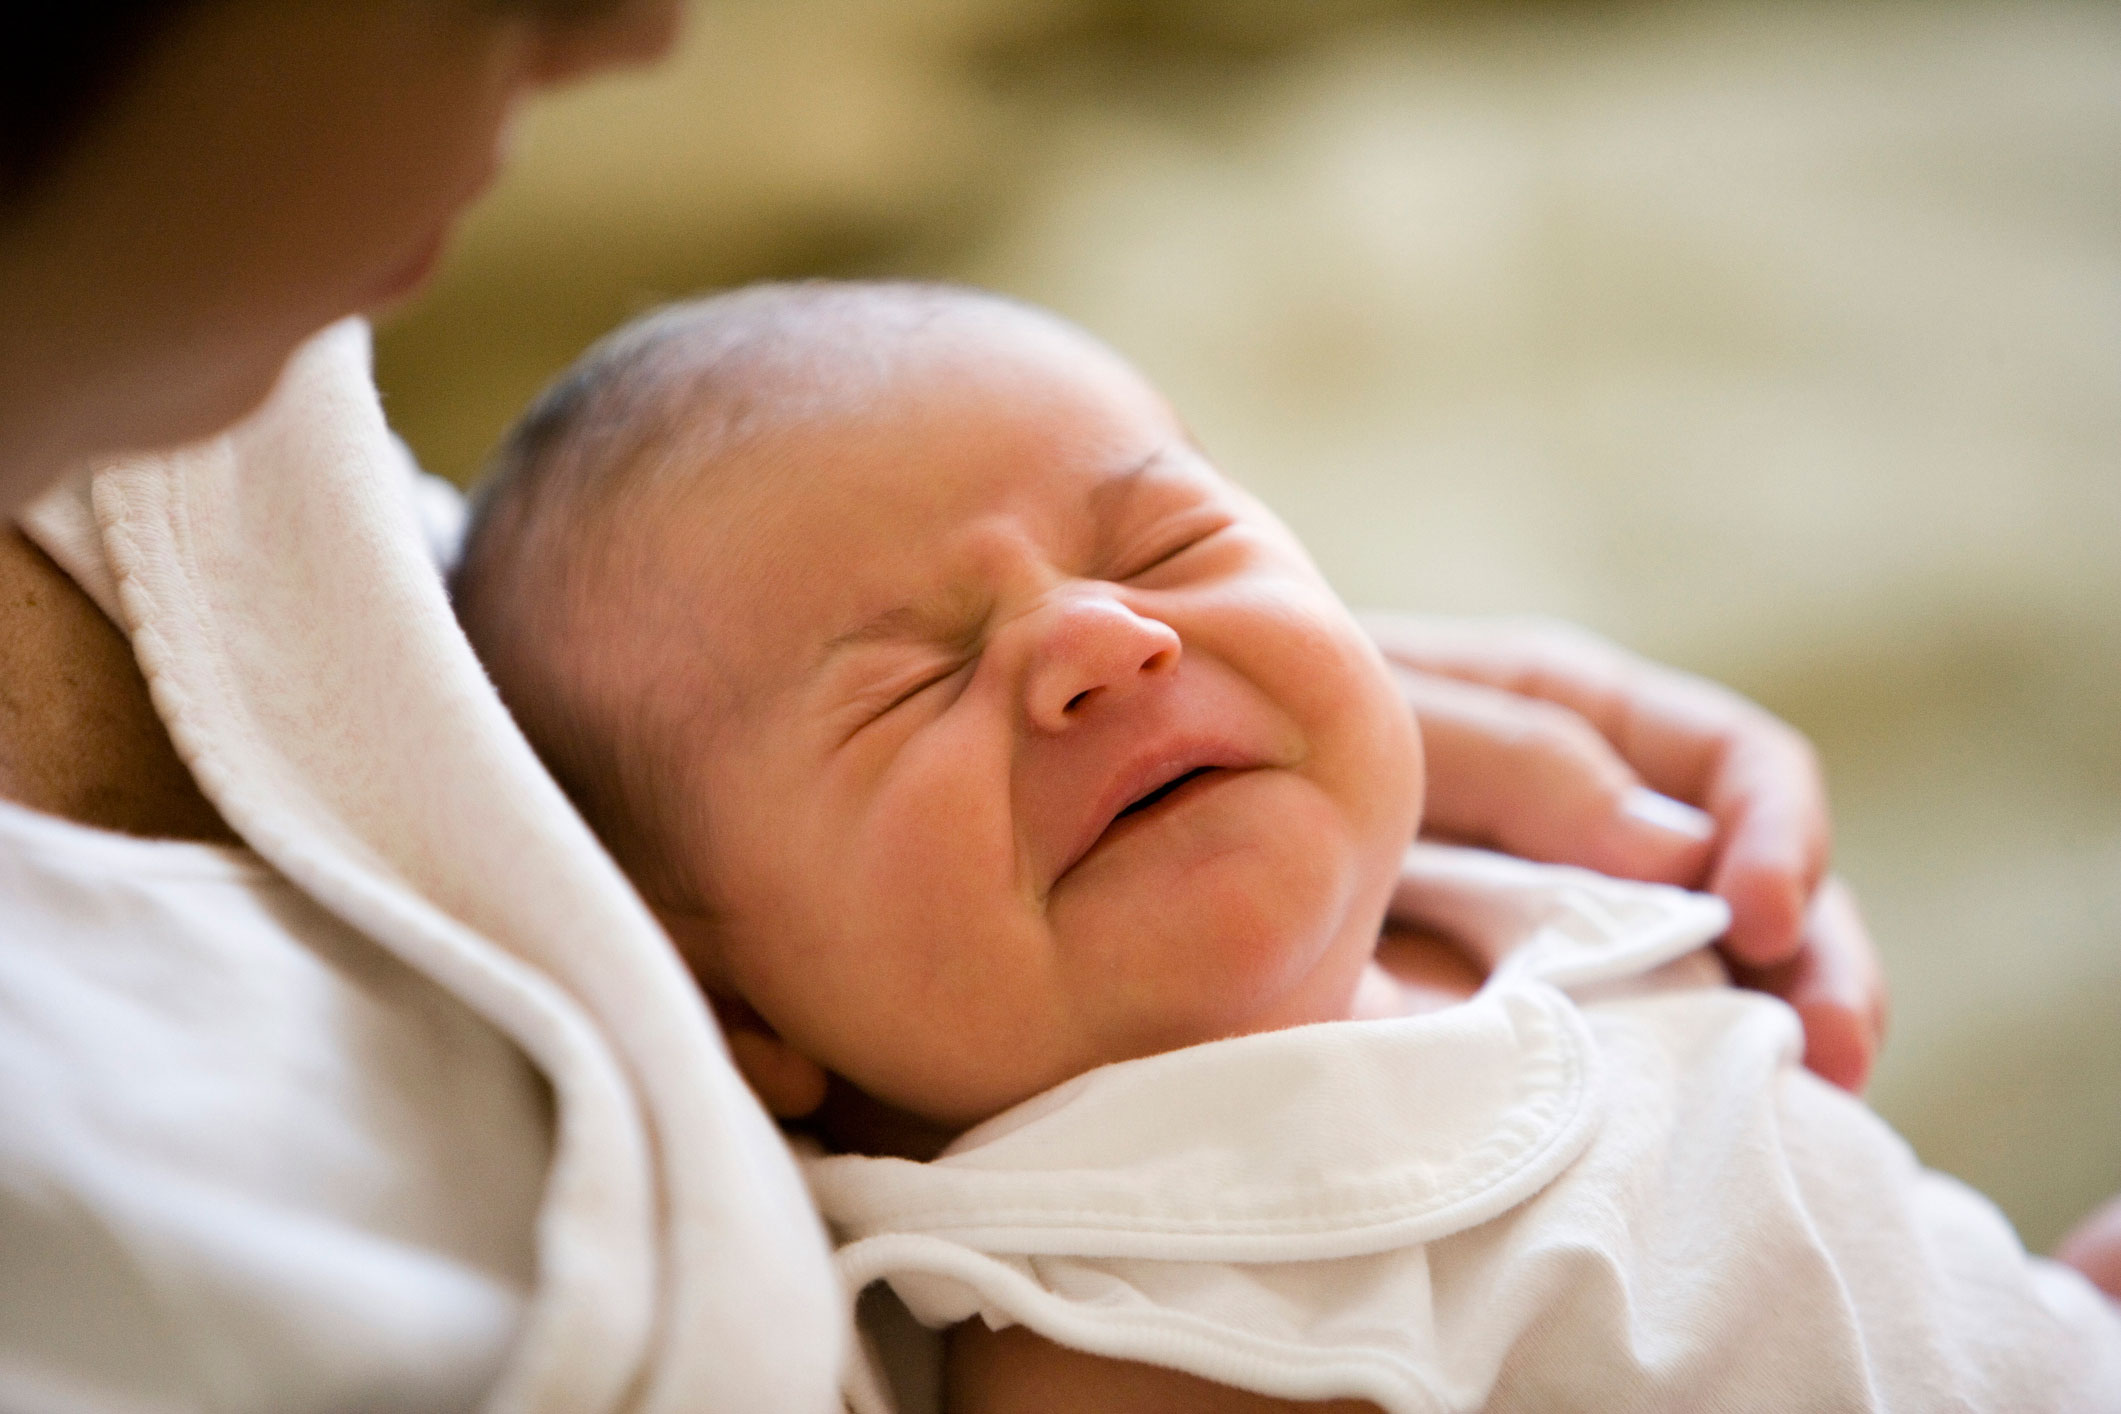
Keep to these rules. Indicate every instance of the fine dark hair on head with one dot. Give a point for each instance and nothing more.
(568, 502)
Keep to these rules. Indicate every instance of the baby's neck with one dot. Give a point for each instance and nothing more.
(1413, 971)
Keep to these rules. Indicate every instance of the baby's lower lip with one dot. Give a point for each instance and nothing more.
(1137, 817)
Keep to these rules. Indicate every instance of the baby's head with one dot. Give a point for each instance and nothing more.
(965, 728)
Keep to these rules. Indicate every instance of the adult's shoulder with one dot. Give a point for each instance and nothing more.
(251, 1160)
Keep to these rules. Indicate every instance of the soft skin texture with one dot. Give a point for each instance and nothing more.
(79, 737)
(925, 721)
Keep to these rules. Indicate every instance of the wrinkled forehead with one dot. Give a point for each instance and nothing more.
(862, 409)
(1027, 435)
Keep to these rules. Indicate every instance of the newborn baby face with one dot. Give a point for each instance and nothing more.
(1028, 742)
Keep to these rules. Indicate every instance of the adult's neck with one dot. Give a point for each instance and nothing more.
(37, 444)
(79, 735)
(58, 357)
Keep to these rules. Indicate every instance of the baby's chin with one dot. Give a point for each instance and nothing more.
(1272, 932)
(1339, 987)
(1321, 983)
(1267, 940)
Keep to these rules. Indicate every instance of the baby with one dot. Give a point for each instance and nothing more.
(1024, 800)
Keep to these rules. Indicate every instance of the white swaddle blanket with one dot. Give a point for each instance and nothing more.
(1603, 1182)
(300, 648)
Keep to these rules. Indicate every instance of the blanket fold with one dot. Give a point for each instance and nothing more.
(299, 646)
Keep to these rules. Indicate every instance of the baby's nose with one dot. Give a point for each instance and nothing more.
(1091, 649)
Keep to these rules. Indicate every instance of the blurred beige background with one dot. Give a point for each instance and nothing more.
(1781, 341)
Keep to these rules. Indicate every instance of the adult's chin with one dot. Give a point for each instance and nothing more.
(410, 275)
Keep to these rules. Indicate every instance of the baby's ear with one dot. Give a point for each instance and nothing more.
(788, 1083)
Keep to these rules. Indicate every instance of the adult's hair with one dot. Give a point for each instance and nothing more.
(51, 85)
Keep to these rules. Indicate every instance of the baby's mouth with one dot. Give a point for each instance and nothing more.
(1162, 791)
(1161, 779)
(1143, 809)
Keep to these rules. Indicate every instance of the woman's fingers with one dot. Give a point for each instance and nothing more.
(1681, 735)
(1536, 780)
(1835, 985)
(2094, 1248)
(1548, 742)
(1769, 798)
(1533, 779)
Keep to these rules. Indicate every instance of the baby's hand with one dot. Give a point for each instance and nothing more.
(1549, 742)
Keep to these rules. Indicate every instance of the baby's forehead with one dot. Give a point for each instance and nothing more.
(937, 441)
(785, 560)
(802, 483)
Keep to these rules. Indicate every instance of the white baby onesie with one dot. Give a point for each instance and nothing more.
(1604, 1182)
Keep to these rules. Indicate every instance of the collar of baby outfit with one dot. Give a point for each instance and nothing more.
(299, 646)
(1319, 1141)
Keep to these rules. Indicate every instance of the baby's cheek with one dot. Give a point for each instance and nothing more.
(1398, 778)
(1358, 692)
(1330, 668)
(937, 838)
(768, 849)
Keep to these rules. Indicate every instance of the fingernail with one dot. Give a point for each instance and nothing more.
(1665, 813)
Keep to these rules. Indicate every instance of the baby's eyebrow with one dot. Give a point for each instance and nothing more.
(905, 621)
(939, 616)
(1157, 480)
(1115, 491)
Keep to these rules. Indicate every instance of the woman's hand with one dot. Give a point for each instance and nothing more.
(1549, 742)
(2094, 1248)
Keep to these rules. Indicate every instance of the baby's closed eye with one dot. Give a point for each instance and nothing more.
(931, 677)
(900, 686)
(1173, 544)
